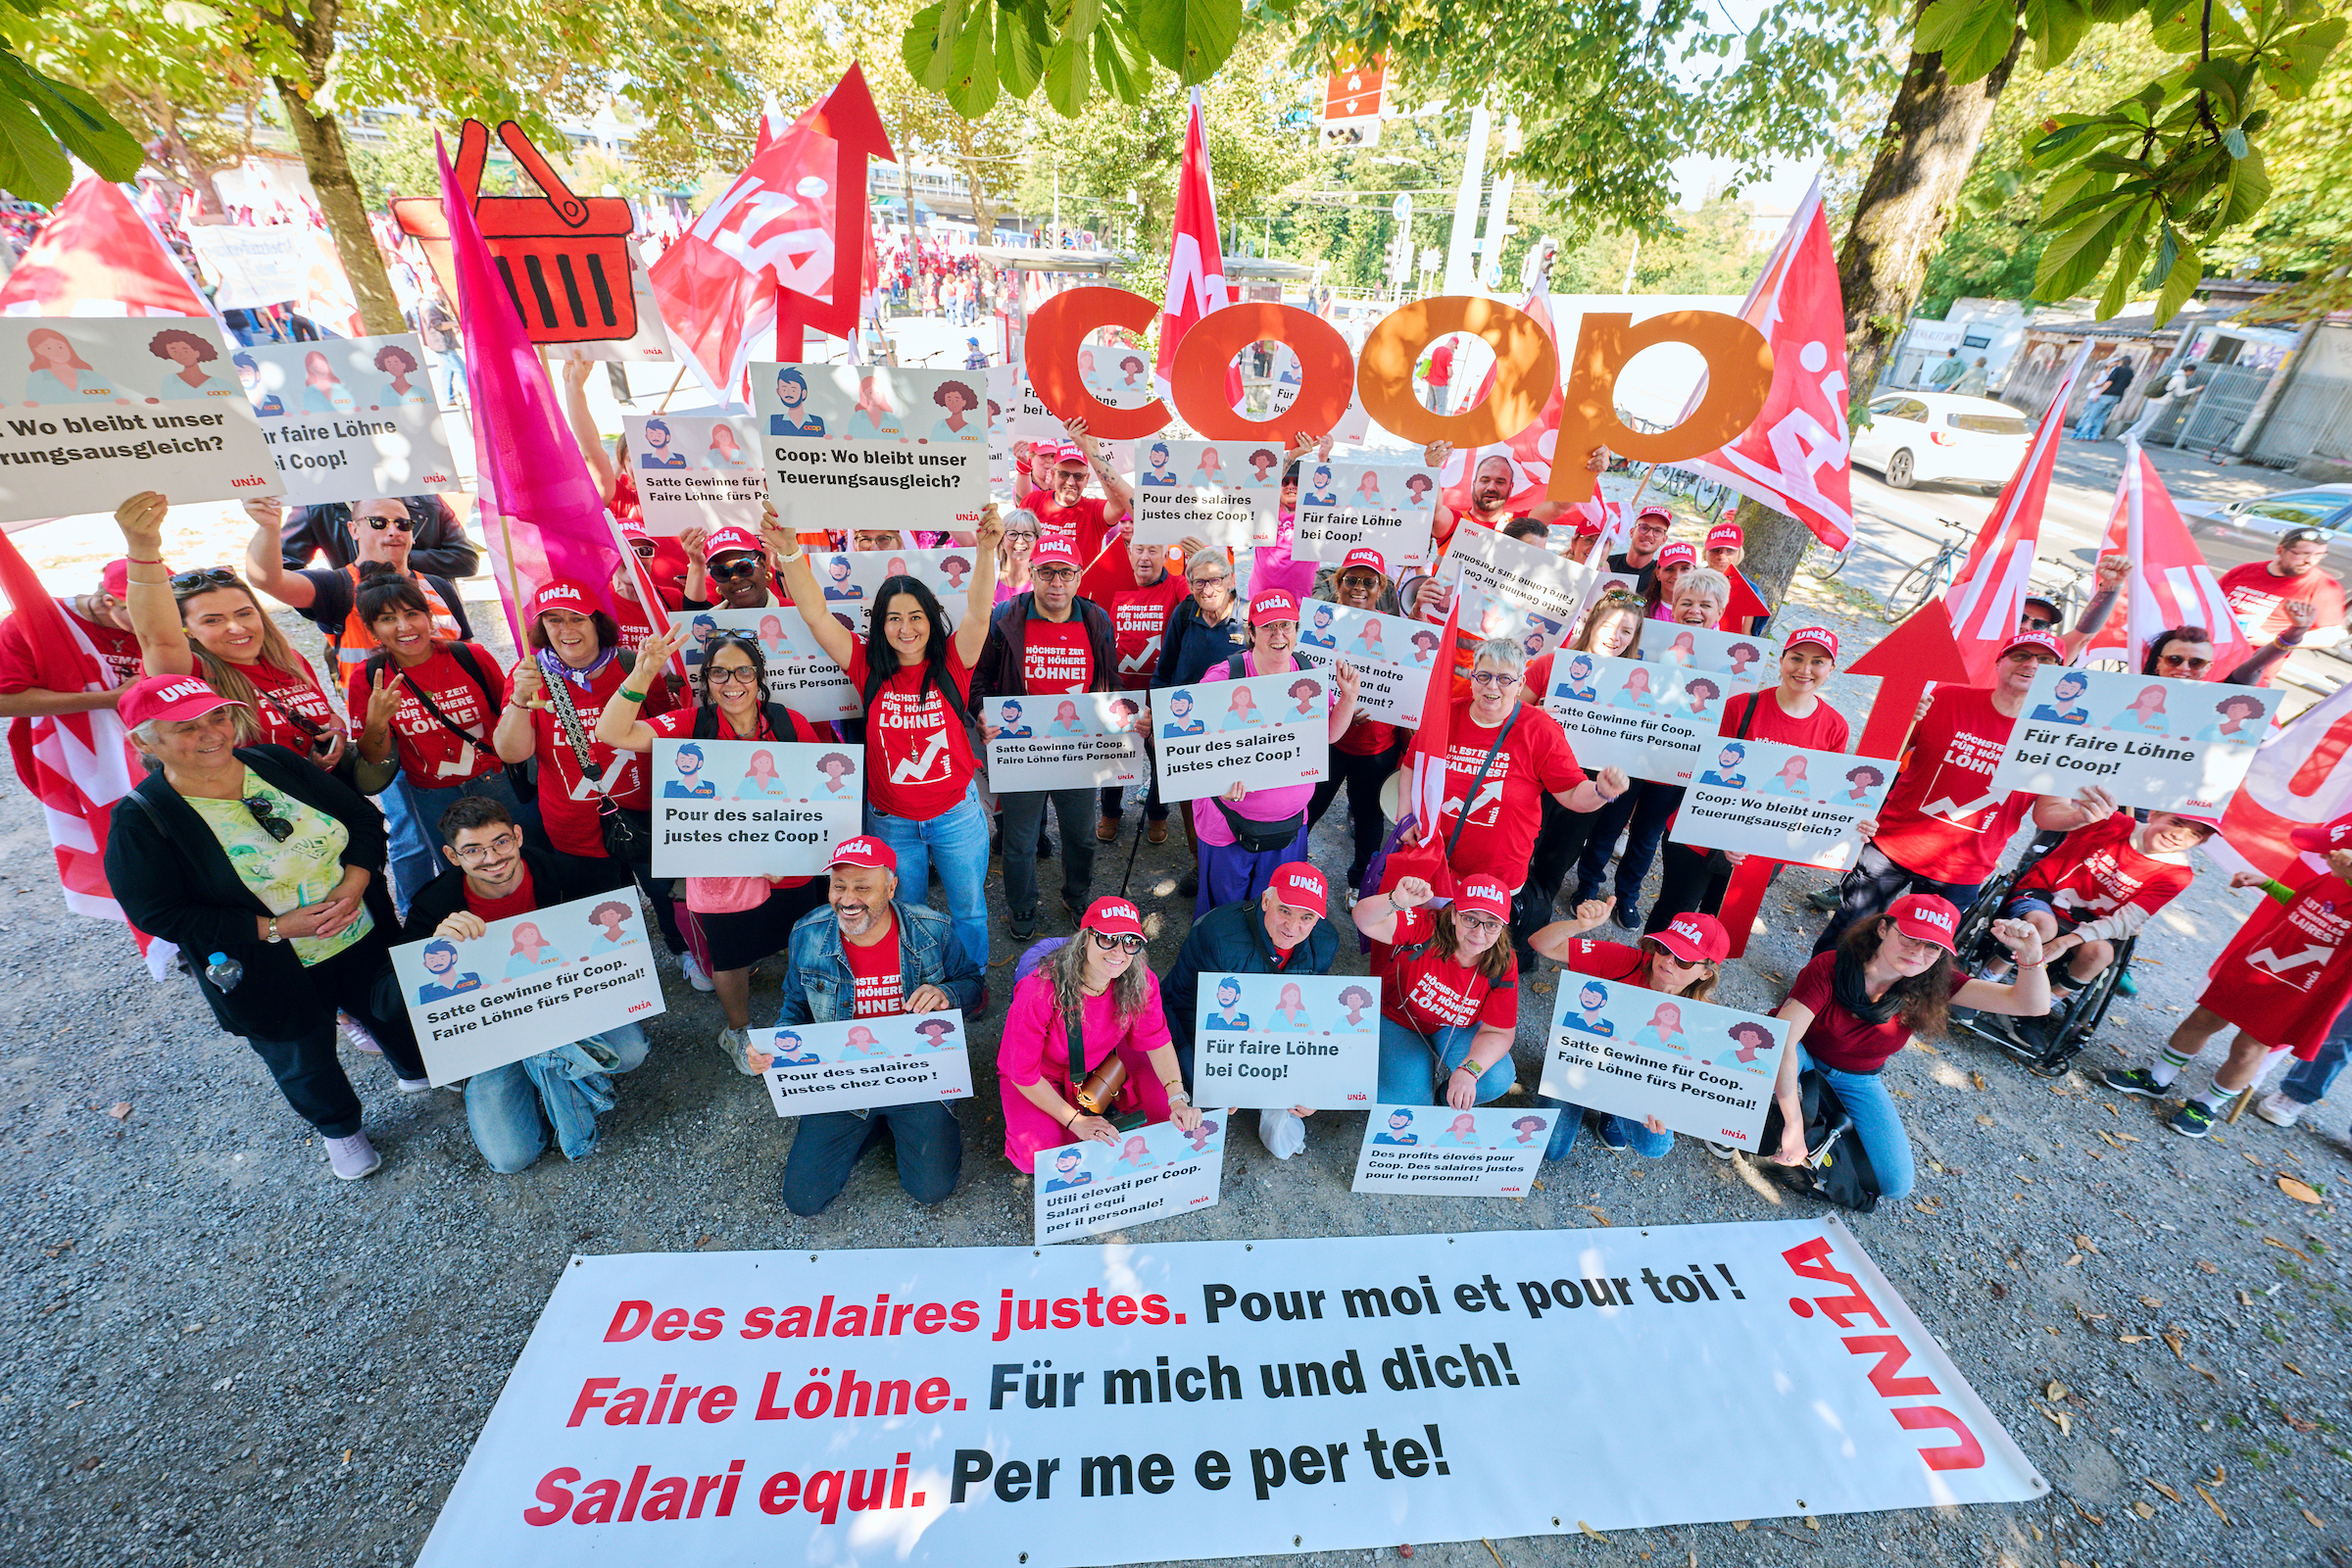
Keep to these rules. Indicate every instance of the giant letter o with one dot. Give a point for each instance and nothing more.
(1326, 375)
(1738, 379)
(1057, 330)
(1526, 369)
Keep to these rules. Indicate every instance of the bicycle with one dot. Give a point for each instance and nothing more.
(1928, 578)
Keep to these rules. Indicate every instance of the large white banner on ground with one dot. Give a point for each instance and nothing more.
(1212, 1399)
(1263, 732)
(2165, 744)
(1656, 721)
(1621, 1047)
(753, 807)
(1286, 1040)
(351, 419)
(896, 449)
(895, 1059)
(1782, 802)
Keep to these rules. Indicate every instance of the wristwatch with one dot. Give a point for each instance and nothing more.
(274, 935)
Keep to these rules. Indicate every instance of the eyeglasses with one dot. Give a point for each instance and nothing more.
(1110, 944)
(266, 816)
(1479, 923)
(472, 853)
(403, 522)
(731, 676)
(188, 582)
(1056, 573)
(2184, 661)
(1493, 678)
(1218, 580)
(747, 566)
(643, 549)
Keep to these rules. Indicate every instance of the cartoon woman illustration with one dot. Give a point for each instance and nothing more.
(531, 951)
(1634, 693)
(190, 353)
(1749, 1042)
(1528, 1129)
(1664, 1031)
(1461, 1134)
(59, 372)
(1418, 486)
(1305, 692)
(2236, 723)
(1131, 370)
(1700, 691)
(1682, 650)
(1124, 711)
(1291, 1012)
(609, 917)
(1425, 647)
(962, 403)
(1367, 488)
(936, 1033)
(1066, 721)
(1243, 712)
(1357, 1001)
(266, 404)
(1789, 781)
(322, 392)
(1741, 654)
(760, 780)
(774, 638)
(956, 569)
(838, 769)
(726, 452)
(1863, 780)
(861, 1042)
(1576, 684)
(1265, 459)
(398, 364)
(2146, 713)
(1210, 469)
(1199, 1136)
(1366, 641)
(1135, 1154)
(873, 418)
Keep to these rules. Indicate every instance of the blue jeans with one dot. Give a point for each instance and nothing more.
(1877, 1123)
(953, 843)
(510, 1109)
(453, 377)
(1408, 1076)
(2091, 423)
(416, 856)
(827, 1148)
(2307, 1083)
(1647, 1144)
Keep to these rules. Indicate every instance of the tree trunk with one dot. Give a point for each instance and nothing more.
(1901, 220)
(320, 139)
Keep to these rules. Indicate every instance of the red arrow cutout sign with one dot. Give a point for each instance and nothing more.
(849, 117)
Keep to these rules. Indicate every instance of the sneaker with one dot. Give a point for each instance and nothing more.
(357, 1033)
(1024, 927)
(2135, 1081)
(1720, 1150)
(352, 1157)
(1626, 914)
(736, 1046)
(1076, 913)
(2192, 1120)
(1108, 830)
(1826, 899)
(2278, 1111)
(695, 975)
(1605, 1129)
(413, 1086)
(2126, 984)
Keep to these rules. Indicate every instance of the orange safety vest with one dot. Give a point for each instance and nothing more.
(355, 641)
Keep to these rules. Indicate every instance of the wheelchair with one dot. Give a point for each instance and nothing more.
(2047, 1048)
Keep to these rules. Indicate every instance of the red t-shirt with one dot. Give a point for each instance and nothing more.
(1499, 837)
(1367, 737)
(874, 974)
(1941, 819)
(1140, 617)
(1836, 1038)
(635, 625)
(1086, 527)
(430, 755)
(679, 722)
(1822, 730)
(2259, 600)
(2094, 871)
(919, 759)
(118, 651)
(1430, 992)
(523, 900)
(568, 802)
(299, 692)
(1057, 657)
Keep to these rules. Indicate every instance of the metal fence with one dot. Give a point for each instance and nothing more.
(2213, 419)
(2314, 418)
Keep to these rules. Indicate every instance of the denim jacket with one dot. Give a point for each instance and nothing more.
(819, 989)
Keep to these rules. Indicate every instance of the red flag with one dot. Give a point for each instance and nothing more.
(1990, 594)
(541, 513)
(98, 249)
(1196, 257)
(1530, 451)
(1796, 456)
(2170, 584)
(1425, 762)
(2300, 778)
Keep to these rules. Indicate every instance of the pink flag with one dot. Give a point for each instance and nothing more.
(2170, 584)
(1195, 256)
(1796, 457)
(539, 511)
(1990, 594)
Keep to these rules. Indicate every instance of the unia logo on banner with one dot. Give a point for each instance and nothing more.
(1811, 1261)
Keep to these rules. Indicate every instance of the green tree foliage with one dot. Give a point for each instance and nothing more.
(971, 51)
(44, 120)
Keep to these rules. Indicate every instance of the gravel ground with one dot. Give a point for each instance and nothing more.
(224, 1356)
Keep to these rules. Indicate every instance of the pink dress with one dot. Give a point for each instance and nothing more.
(1035, 1046)
(1274, 566)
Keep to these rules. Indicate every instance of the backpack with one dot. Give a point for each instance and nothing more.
(1838, 1171)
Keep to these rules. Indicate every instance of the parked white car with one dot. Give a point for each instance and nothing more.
(1939, 436)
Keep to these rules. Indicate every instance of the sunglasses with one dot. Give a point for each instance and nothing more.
(749, 567)
(2184, 661)
(403, 524)
(642, 548)
(189, 583)
(1110, 943)
(266, 816)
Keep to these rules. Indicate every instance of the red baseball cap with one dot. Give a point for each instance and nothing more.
(114, 578)
(2317, 837)
(175, 698)
(2035, 639)
(561, 595)
(1301, 887)
(1067, 452)
(1926, 917)
(1820, 637)
(870, 852)
(1481, 894)
(1113, 917)
(1726, 535)
(1589, 527)
(1682, 552)
(1366, 556)
(631, 528)
(1655, 510)
(1694, 938)
(721, 541)
(1055, 550)
(1275, 604)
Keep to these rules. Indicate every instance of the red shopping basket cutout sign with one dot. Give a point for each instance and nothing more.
(565, 258)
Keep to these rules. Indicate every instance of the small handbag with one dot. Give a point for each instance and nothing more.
(1098, 1092)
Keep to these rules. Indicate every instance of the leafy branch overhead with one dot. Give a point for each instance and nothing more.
(2144, 192)
(44, 120)
(970, 50)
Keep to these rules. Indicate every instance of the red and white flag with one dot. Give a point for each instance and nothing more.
(1195, 256)
(1425, 764)
(2170, 584)
(98, 255)
(1796, 457)
(1990, 594)
(2301, 778)
(1529, 452)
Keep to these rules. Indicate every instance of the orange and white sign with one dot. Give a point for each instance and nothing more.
(1351, 103)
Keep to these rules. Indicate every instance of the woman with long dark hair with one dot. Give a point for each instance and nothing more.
(922, 795)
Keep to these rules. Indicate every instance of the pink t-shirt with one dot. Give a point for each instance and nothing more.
(1274, 566)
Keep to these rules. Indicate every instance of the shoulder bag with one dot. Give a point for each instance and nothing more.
(628, 835)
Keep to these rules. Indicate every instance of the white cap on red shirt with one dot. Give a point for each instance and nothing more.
(1301, 887)
(871, 852)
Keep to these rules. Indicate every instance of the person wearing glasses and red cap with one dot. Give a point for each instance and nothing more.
(1047, 642)
(1089, 1013)
(1449, 993)
(1853, 1007)
(868, 954)
(2281, 982)
(1090, 522)
(1638, 558)
(1589, 528)
(727, 567)
(1284, 930)
(1677, 959)
(1746, 611)
(1942, 829)
(269, 872)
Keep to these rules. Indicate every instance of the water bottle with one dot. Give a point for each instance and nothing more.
(224, 971)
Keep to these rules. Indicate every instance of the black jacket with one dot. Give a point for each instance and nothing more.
(445, 894)
(441, 548)
(1231, 940)
(1188, 649)
(173, 881)
(999, 673)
